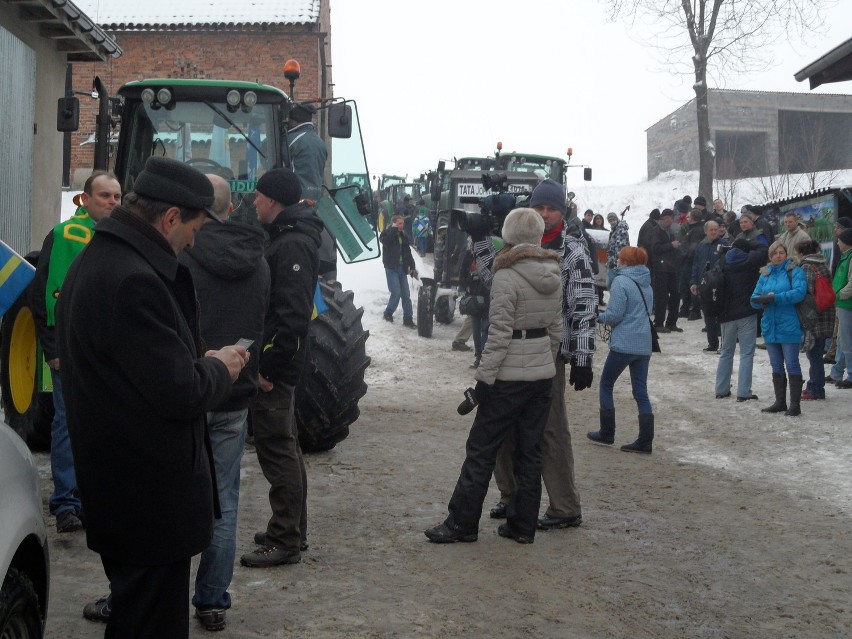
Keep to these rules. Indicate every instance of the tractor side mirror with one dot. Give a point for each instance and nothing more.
(340, 120)
(587, 174)
(67, 114)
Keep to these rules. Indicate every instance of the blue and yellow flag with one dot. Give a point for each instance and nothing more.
(320, 306)
(15, 274)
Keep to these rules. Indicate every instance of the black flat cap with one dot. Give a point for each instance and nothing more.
(173, 182)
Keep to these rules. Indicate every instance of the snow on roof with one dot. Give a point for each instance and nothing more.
(151, 14)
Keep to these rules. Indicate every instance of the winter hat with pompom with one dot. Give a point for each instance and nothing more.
(523, 226)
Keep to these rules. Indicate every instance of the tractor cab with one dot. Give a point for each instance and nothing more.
(238, 130)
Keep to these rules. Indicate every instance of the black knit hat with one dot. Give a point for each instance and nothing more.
(742, 244)
(281, 185)
(846, 237)
(844, 223)
(681, 206)
(548, 193)
(302, 112)
(700, 200)
(173, 182)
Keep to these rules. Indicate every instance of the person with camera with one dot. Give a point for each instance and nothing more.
(474, 303)
(579, 310)
(399, 264)
(514, 383)
(812, 262)
(780, 287)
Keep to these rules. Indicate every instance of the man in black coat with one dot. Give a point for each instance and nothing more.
(136, 388)
(646, 232)
(293, 257)
(665, 257)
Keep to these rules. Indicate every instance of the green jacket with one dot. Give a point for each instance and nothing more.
(69, 238)
(841, 284)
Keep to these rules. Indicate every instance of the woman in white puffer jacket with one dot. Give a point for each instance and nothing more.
(513, 382)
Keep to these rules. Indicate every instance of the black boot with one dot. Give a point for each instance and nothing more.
(795, 396)
(779, 383)
(606, 435)
(646, 435)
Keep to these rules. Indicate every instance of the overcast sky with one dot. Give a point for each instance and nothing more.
(452, 77)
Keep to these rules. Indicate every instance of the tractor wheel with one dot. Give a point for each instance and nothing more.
(425, 310)
(27, 411)
(332, 380)
(20, 614)
(443, 312)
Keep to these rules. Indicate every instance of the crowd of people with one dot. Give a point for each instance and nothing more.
(765, 280)
(167, 329)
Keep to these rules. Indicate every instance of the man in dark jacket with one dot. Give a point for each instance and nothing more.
(66, 240)
(646, 233)
(137, 389)
(232, 281)
(690, 236)
(308, 155)
(738, 320)
(399, 264)
(706, 256)
(665, 255)
(293, 257)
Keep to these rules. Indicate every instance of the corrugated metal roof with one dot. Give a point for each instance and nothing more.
(67, 24)
(122, 15)
(834, 66)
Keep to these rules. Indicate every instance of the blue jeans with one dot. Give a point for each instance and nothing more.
(479, 328)
(781, 355)
(398, 286)
(744, 330)
(64, 495)
(816, 369)
(613, 367)
(227, 437)
(844, 344)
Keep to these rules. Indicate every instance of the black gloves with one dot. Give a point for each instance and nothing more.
(581, 377)
(483, 391)
(766, 298)
(469, 403)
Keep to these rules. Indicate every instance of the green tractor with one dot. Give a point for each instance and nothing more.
(469, 187)
(236, 130)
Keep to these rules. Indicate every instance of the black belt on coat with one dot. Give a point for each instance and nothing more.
(529, 333)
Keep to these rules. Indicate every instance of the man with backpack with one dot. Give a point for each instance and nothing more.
(705, 258)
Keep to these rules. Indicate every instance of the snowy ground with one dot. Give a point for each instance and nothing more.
(736, 526)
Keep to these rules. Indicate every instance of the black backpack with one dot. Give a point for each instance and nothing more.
(711, 290)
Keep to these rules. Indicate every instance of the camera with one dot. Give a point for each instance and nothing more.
(493, 208)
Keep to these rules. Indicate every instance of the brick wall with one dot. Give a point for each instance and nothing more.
(253, 56)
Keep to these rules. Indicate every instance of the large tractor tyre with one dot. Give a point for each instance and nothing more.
(332, 380)
(27, 411)
(20, 613)
(425, 310)
(443, 312)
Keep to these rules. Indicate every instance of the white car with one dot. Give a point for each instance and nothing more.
(24, 561)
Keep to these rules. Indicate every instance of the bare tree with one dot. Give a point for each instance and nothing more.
(723, 37)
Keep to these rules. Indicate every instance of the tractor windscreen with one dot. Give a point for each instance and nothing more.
(204, 134)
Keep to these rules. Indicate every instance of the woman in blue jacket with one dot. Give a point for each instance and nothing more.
(629, 345)
(781, 286)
